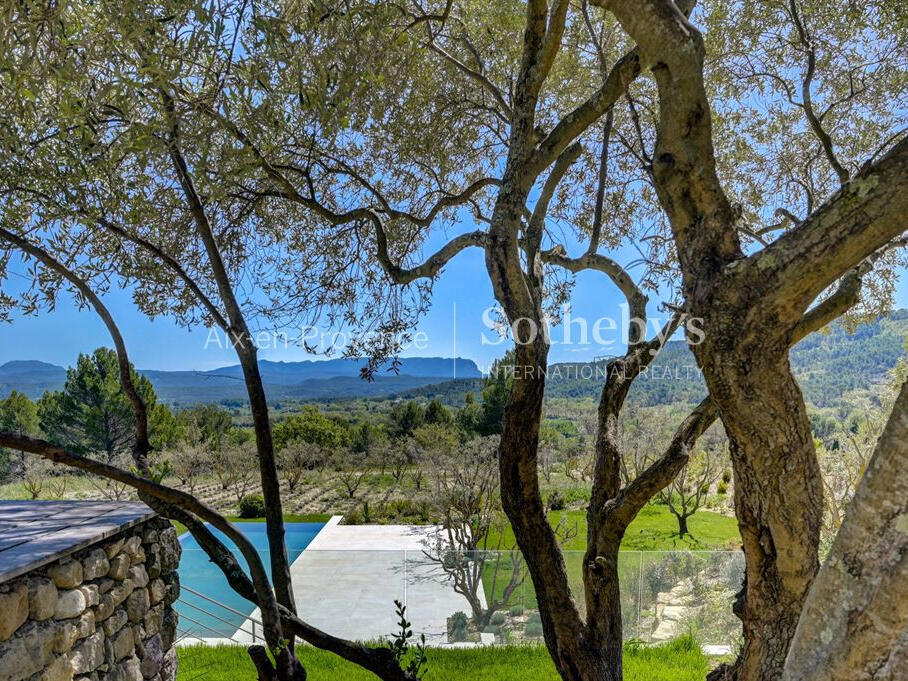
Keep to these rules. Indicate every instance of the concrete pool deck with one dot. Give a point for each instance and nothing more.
(347, 579)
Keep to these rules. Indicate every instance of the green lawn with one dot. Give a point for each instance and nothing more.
(680, 660)
(655, 530)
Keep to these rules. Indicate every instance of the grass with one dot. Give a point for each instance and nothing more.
(75, 486)
(288, 518)
(655, 529)
(680, 660)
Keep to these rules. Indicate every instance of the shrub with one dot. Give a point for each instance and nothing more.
(458, 627)
(722, 488)
(252, 506)
(492, 629)
(556, 501)
(726, 476)
(498, 618)
(354, 517)
(532, 629)
(516, 611)
(459, 619)
(406, 509)
(576, 494)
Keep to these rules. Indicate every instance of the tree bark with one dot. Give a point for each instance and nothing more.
(287, 667)
(778, 485)
(855, 620)
(603, 605)
(682, 526)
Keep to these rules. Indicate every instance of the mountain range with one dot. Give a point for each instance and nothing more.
(828, 364)
(305, 380)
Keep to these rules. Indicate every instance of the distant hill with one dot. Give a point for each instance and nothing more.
(827, 364)
(306, 380)
(30, 377)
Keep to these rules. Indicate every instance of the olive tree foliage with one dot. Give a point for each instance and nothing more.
(762, 139)
(115, 174)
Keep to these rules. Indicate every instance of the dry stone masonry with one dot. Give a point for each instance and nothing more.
(100, 612)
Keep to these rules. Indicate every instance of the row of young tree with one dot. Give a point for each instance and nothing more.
(287, 161)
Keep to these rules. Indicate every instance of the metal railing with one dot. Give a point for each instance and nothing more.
(218, 634)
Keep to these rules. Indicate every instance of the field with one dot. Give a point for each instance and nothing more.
(680, 660)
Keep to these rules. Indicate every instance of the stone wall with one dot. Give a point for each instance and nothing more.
(101, 614)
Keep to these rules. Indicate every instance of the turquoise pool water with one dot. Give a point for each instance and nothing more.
(202, 618)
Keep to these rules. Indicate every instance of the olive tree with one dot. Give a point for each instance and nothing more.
(755, 261)
(104, 182)
(601, 122)
(470, 541)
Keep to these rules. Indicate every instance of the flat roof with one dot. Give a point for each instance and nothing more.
(35, 533)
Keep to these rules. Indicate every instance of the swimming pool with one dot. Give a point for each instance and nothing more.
(203, 619)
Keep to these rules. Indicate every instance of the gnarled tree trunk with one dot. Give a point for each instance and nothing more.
(778, 488)
(603, 605)
(855, 620)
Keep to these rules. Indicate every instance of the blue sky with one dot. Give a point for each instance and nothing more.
(460, 296)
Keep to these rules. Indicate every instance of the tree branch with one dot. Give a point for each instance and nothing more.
(661, 473)
(536, 225)
(634, 295)
(658, 475)
(862, 217)
(602, 180)
(807, 101)
(575, 123)
(246, 352)
(684, 165)
(168, 495)
(142, 446)
(400, 275)
(845, 297)
(433, 264)
(615, 84)
(171, 262)
(446, 201)
(505, 112)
